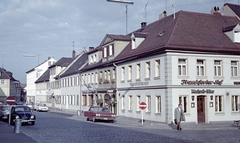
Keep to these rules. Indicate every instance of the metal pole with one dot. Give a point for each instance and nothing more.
(126, 19)
(142, 117)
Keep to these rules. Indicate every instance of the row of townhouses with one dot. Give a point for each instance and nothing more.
(188, 58)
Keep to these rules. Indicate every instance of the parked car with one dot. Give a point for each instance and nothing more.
(41, 107)
(22, 112)
(30, 105)
(4, 112)
(99, 113)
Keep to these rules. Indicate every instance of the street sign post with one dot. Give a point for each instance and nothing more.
(142, 106)
(11, 100)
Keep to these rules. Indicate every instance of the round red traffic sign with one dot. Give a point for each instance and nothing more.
(142, 105)
(11, 100)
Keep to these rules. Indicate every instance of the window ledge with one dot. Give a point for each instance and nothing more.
(237, 77)
(183, 77)
(157, 113)
(123, 110)
(220, 114)
(130, 80)
(138, 79)
(147, 78)
(130, 111)
(157, 77)
(201, 77)
(122, 81)
(148, 112)
(138, 111)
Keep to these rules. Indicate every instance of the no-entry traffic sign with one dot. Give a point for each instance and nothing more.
(11, 100)
(142, 105)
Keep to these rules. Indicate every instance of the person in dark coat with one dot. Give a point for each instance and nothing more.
(179, 116)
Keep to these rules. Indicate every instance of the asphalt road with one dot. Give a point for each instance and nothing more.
(61, 128)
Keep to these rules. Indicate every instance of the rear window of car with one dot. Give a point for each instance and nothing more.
(21, 109)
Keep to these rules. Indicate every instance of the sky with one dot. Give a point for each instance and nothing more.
(33, 30)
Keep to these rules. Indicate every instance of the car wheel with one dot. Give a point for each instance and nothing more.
(87, 119)
(33, 122)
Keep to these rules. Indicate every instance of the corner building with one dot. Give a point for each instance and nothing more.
(188, 58)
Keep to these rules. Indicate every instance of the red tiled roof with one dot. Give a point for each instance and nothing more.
(188, 31)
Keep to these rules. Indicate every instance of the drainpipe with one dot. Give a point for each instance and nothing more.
(116, 88)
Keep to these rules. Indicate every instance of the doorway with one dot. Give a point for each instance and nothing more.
(201, 109)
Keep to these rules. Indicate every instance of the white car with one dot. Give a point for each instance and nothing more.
(41, 107)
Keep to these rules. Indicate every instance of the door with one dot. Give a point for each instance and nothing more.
(201, 109)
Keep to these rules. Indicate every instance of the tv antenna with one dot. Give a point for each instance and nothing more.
(123, 2)
(145, 8)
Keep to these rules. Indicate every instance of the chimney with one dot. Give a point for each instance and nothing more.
(215, 10)
(162, 15)
(143, 24)
(91, 48)
(74, 54)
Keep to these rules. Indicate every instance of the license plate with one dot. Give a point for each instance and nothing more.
(105, 118)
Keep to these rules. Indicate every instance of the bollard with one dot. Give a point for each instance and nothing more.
(17, 125)
(78, 113)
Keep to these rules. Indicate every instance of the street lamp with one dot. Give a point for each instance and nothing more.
(123, 2)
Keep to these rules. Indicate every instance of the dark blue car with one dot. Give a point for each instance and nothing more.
(23, 113)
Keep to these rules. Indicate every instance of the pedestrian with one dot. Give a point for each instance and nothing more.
(179, 116)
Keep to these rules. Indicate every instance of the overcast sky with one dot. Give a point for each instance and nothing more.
(47, 28)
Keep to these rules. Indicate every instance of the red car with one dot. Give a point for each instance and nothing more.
(99, 113)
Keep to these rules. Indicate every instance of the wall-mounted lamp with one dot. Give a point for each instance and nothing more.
(192, 98)
(227, 93)
(211, 97)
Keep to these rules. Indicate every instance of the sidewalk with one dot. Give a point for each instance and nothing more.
(133, 122)
(7, 135)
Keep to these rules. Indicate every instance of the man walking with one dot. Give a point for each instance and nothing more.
(179, 116)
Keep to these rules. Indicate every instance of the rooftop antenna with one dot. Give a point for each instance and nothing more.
(145, 8)
(123, 2)
(73, 45)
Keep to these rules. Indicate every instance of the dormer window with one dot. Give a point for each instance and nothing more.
(237, 36)
(108, 50)
(137, 39)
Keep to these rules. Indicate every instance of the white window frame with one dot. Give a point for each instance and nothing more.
(234, 68)
(138, 71)
(130, 102)
(184, 100)
(123, 74)
(123, 102)
(148, 70)
(138, 102)
(235, 103)
(219, 103)
(110, 50)
(200, 67)
(158, 104)
(217, 67)
(157, 68)
(182, 67)
(130, 72)
(148, 102)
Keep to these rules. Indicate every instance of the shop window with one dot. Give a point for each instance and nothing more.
(235, 102)
(148, 100)
(184, 101)
(219, 103)
(158, 104)
(84, 101)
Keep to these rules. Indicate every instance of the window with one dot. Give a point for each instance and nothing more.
(158, 104)
(123, 102)
(130, 102)
(182, 67)
(129, 72)
(235, 102)
(148, 109)
(96, 75)
(92, 78)
(110, 50)
(184, 101)
(234, 68)
(104, 52)
(217, 68)
(138, 102)
(218, 103)
(138, 71)
(84, 102)
(123, 74)
(200, 68)
(157, 68)
(237, 36)
(148, 70)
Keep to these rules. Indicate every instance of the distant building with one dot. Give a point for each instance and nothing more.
(32, 75)
(9, 86)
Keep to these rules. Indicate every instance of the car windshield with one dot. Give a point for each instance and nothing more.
(22, 109)
(5, 107)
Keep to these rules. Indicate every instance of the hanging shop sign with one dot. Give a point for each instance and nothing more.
(201, 82)
(202, 91)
